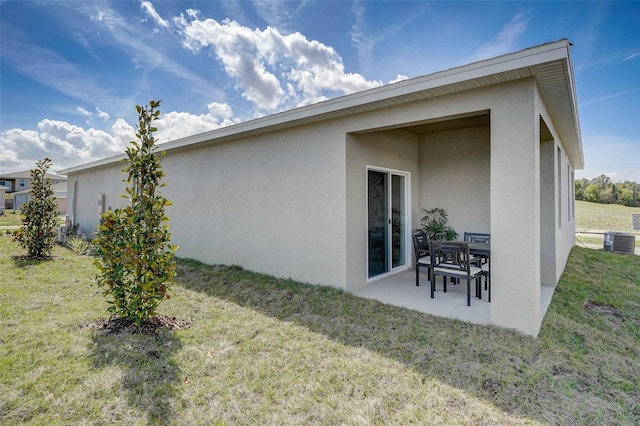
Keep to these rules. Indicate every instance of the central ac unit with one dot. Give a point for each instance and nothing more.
(619, 242)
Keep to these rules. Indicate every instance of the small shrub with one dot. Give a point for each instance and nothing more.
(434, 224)
(38, 232)
(80, 245)
(136, 264)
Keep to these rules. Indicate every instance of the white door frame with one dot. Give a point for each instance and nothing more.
(407, 221)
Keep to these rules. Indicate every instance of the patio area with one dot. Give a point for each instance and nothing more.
(400, 290)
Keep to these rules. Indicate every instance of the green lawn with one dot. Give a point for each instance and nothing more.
(10, 218)
(604, 217)
(268, 351)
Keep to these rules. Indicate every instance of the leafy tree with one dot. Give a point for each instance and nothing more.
(592, 193)
(136, 260)
(40, 222)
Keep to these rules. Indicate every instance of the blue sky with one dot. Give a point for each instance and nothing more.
(73, 71)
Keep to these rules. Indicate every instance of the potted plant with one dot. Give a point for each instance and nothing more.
(434, 224)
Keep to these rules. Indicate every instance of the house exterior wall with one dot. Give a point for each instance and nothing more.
(515, 206)
(564, 197)
(273, 204)
(392, 149)
(455, 170)
(292, 203)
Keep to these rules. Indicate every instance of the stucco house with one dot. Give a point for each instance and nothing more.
(18, 182)
(59, 194)
(308, 192)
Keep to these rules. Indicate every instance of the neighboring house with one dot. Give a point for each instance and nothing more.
(20, 182)
(308, 193)
(59, 192)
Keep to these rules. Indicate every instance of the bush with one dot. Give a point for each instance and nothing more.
(40, 221)
(80, 245)
(136, 261)
(434, 224)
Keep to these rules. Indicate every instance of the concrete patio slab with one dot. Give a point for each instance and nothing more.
(400, 290)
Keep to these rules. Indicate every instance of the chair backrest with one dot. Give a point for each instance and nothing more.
(420, 245)
(453, 255)
(477, 237)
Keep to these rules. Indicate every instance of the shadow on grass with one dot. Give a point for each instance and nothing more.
(519, 375)
(26, 261)
(453, 351)
(151, 376)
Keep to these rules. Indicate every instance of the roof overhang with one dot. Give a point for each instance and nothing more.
(550, 64)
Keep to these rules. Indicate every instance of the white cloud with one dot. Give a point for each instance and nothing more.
(273, 70)
(104, 115)
(83, 112)
(176, 125)
(632, 56)
(505, 41)
(399, 77)
(68, 144)
(151, 11)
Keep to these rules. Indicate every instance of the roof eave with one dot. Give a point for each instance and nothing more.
(400, 92)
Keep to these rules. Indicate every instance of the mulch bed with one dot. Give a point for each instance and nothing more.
(153, 326)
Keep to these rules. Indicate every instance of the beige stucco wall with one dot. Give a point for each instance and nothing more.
(273, 204)
(396, 150)
(455, 172)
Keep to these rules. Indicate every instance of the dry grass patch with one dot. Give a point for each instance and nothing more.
(266, 351)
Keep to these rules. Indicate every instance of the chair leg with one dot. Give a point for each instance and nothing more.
(417, 275)
(468, 292)
(432, 281)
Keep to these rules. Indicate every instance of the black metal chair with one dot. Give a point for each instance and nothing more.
(480, 237)
(451, 259)
(421, 254)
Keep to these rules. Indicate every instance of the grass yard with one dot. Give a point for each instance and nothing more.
(604, 217)
(274, 352)
(10, 218)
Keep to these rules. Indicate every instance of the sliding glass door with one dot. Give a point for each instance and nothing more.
(387, 220)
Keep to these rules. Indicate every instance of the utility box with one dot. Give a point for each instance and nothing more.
(62, 234)
(619, 242)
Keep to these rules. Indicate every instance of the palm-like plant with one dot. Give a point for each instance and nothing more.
(434, 224)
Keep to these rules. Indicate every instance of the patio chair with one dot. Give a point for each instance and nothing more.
(480, 237)
(421, 254)
(487, 280)
(451, 259)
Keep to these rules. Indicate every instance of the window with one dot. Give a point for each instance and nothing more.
(6, 184)
(21, 182)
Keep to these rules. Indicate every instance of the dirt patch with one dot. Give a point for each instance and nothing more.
(595, 307)
(153, 326)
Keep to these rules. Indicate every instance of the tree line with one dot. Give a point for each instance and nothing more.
(602, 190)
